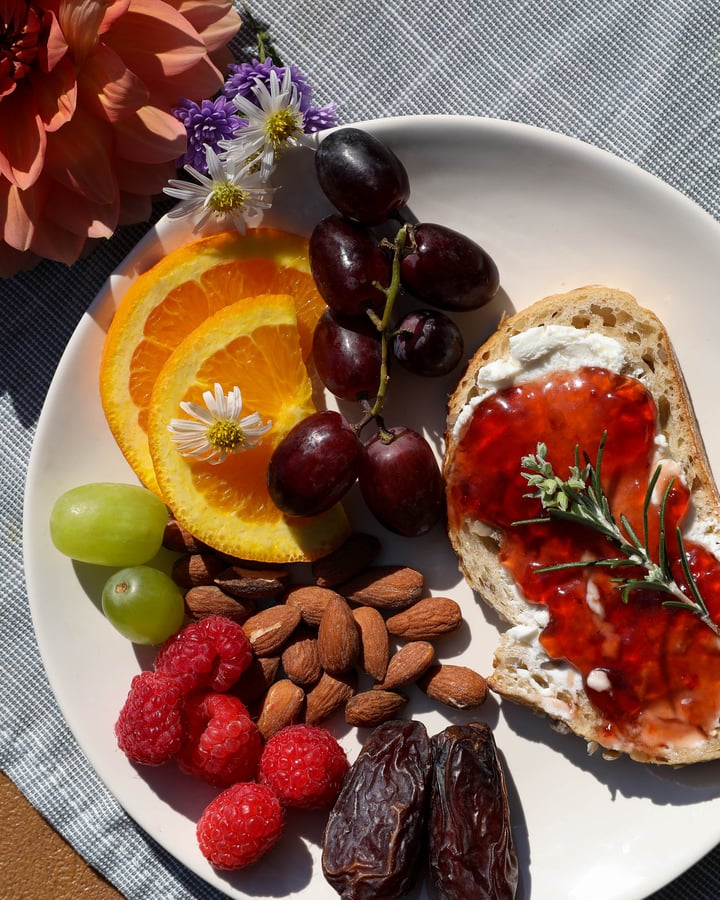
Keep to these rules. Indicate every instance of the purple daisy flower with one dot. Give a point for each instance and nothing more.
(208, 123)
(243, 77)
(318, 118)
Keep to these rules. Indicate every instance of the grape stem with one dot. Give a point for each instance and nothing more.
(391, 292)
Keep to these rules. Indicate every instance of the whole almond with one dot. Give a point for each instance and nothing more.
(252, 584)
(179, 539)
(456, 686)
(328, 696)
(310, 600)
(281, 706)
(426, 620)
(197, 568)
(370, 708)
(338, 637)
(208, 600)
(407, 665)
(300, 658)
(350, 559)
(257, 678)
(268, 629)
(374, 641)
(387, 588)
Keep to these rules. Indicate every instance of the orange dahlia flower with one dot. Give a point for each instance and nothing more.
(87, 135)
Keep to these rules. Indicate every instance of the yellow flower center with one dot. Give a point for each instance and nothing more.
(227, 197)
(225, 435)
(280, 126)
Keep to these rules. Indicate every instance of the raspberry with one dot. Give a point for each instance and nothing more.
(240, 825)
(221, 744)
(149, 727)
(212, 653)
(304, 765)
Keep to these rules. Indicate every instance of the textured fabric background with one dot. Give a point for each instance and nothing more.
(636, 78)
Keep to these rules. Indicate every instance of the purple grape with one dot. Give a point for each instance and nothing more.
(348, 355)
(346, 260)
(315, 464)
(401, 482)
(360, 176)
(448, 270)
(428, 343)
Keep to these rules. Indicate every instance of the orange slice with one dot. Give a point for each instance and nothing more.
(254, 345)
(164, 304)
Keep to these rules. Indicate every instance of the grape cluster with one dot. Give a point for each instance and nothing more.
(360, 273)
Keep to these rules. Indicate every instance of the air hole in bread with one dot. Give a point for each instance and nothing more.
(633, 337)
(609, 319)
(580, 321)
(649, 359)
(538, 679)
(663, 410)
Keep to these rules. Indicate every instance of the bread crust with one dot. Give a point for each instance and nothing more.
(523, 672)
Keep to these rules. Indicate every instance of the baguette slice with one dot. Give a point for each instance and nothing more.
(523, 672)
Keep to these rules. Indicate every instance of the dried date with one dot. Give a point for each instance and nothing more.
(374, 833)
(470, 843)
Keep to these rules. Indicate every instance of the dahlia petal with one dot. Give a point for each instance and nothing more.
(80, 156)
(13, 261)
(52, 241)
(81, 216)
(19, 211)
(137, 178)
(55, 94)
(81, 21)
(109, 86)
(22, 138)
(115, 10)
(155, 40)
(215, 21)
(134, 208)
(56, 46)
(150, 135)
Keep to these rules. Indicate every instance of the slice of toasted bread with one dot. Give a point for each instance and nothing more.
(523, 671)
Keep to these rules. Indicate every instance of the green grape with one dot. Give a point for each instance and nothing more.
(144, 604)
(108, 524)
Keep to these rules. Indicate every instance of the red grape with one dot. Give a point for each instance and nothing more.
(428, 343)
(360, 176)
(346, 260)
(401, 483)
(348, 355)
(315, 464)
(447, 269)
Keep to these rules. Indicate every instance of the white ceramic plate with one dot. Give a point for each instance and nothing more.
(555, 214)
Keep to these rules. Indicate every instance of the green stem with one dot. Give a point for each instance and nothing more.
(383, 326)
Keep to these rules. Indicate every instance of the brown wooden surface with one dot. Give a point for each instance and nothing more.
(35, 862)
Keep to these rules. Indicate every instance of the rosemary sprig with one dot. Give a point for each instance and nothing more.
(582, 499)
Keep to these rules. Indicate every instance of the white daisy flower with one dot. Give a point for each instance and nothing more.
(227, 191)
(273, 125)
(217, 431)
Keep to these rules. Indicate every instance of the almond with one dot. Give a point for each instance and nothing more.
(257, 678)
(311, 600)
(300, 658)
(407, 665)
(374, 641)
(338, 637)
(350, 559)
(328, 696)
(268, 630)
(456, 686)
(370, 708)
(281, 706)
(197, 568)
(426, 620)
(179, 539)
(252, 584)
(387, 588)
(208, 600)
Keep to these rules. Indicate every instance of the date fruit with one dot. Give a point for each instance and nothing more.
(374, 833)
(470, 843)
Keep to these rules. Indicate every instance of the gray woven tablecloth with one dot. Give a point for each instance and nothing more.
(638, 79)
